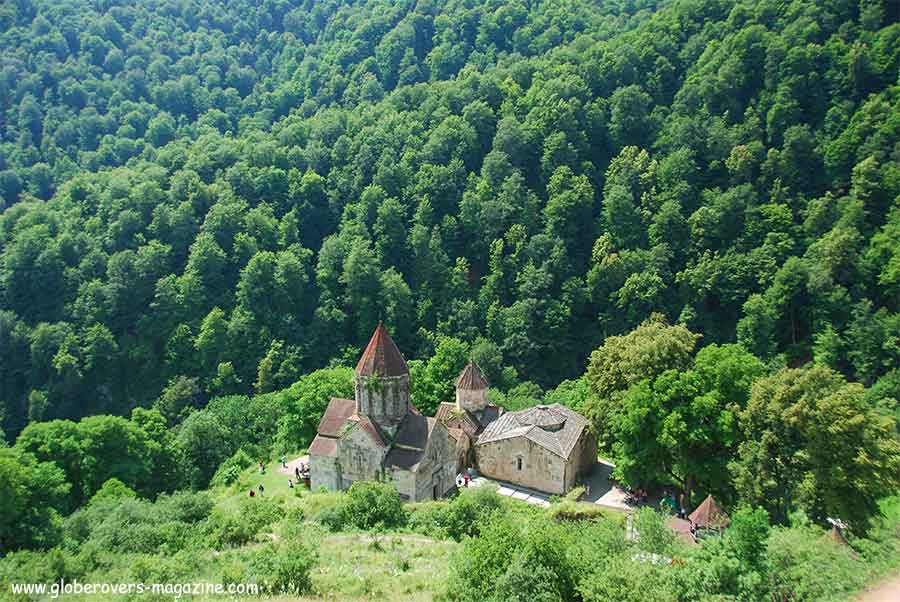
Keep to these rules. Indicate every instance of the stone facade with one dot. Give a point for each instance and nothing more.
(546, 448)
(384, 399)
(379, 435)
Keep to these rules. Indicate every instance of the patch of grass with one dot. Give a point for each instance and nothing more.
(407, 567)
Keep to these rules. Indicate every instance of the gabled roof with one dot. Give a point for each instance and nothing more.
(336, 414)
(368, 427)
(471, 378)
(454, 418)
(381, 357)
(323, 446)
(489, 414)
(414, 430)
(709, 515)
(411, 441)
(555, 428)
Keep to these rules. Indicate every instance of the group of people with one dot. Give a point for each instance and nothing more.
(301, 472)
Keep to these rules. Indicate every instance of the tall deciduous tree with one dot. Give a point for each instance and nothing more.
(812, 443)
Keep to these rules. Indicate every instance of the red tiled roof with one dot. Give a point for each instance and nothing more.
(323, 446)
(381, 357)
(682, 528)
(709, 515)
(336, 414)
(471, 378)
(454, 418)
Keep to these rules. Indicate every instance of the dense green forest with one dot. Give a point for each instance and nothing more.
(221, 197)
(681, 218)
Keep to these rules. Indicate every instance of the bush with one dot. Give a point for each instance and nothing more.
(131, 525)
(226, 528)
(526, 581)
(626, 580)
(370, 505)
(332, 518)
(285, 568)
(471, 510)
(113, 489)
(229, 471)
(808, 566)
(653, 534)
(429, 519)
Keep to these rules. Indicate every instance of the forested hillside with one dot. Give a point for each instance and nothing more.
(679, 217)
(207, 198)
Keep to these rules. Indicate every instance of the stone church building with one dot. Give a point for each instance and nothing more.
(547, 447)
(379, 435)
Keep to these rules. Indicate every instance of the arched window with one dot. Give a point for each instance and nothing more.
(519, 463)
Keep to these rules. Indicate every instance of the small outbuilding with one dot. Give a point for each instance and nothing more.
(709, 516)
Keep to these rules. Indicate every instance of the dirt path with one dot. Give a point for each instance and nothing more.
(886, 591)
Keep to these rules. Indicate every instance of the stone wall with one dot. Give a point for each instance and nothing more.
(471, 400)
(539, 469)
(383, 399)
(325, 472)
(360, 457)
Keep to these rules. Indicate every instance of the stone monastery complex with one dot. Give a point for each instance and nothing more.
(380, 435)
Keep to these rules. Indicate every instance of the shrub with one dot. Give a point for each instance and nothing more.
(370, 505)
(470, 510)
(226, 528)
(229, 471)
(130, 525)
(429, 519)
(332, 518)
(285, 568)
(653, 534)
(626, 580)
(113, 489)
(808, 566)
(526, 581)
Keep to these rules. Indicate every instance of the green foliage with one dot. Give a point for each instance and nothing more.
(494, 174)
(812, 443)
(229, 470)
(34, 493)
(236, 527)
(622, 361)
(370, 505)
(367, 505)
(463, 516)
(304, 403)
(129, 525)
(683, 425)
(138, 452)
(652, 534)
(113, 489)
(285, 568)
(623, 579)
(433, 384)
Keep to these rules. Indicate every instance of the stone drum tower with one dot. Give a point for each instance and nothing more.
(471, 389)
(382, 383)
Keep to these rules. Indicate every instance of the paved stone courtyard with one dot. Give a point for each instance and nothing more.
(601, 490)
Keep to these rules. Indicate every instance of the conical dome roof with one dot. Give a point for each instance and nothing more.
(471, 378)
(381, 357)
